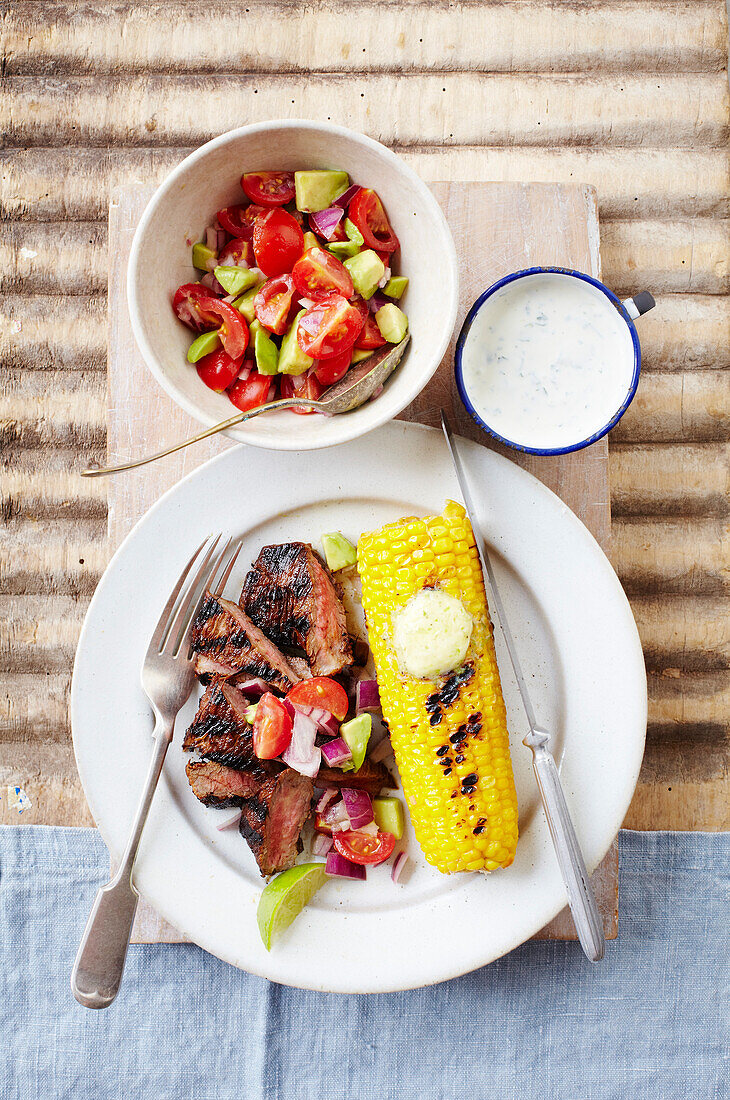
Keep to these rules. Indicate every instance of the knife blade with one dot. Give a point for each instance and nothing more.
(581, 898)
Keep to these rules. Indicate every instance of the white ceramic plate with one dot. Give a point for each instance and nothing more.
(576, 637)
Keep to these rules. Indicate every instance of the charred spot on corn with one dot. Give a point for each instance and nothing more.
(448, 733)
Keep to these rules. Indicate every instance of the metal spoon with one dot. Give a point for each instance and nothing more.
(357, 387)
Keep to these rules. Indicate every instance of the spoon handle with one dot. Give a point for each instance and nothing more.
(285, 403)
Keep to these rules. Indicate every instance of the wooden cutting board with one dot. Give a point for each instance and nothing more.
(498, 228)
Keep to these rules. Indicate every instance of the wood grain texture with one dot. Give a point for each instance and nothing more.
(662, 174)
(499, 222)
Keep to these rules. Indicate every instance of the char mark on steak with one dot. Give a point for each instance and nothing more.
(225, 642)
(290, 596)
(272, 819)
(215, 785)
(219, 733)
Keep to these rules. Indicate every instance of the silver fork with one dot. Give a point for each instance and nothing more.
(167, 680)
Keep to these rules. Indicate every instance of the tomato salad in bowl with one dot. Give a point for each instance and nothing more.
(297, 285)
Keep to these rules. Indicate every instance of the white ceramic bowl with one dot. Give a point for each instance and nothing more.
(208, 180)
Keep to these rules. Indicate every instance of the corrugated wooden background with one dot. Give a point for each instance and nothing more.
(629, 96)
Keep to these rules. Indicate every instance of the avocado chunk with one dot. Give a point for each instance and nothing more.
(396, 286)
(359, 354)
(310, 241)
(235, 280)
(356, 734)
(350, 247)
(366, 270)
(292, 359)
(265, 350)
(392, 322)
(389, 816)
(245, 304)
(338, 551)
(318, 189)
(201, 255)
(203, 345)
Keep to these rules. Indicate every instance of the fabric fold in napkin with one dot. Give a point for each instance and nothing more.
(542, 1023)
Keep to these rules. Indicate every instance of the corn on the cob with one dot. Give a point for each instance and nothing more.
(449, 734)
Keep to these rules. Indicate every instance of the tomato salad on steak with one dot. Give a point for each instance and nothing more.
(298, 285)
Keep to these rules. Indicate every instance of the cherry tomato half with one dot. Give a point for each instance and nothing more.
(218, 370)
(240, 220)
(249, 393)
(310, 389)
(187, 306)
(367, 213)
(318, 273)
(363, 848)
(278, 242)
(269, 188)
(322, 692)
(329, 371)
(272, 303)
(371, 336)
(361, 305)
(237, 253)
(233, 330)
(329, 327)
(272, 727)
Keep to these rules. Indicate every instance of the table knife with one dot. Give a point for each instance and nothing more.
(581, 898)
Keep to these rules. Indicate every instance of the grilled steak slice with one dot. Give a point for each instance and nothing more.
(225, 641)
(215, 785)
(219, 733)
(272, 820)
(370, 777)
(289, 594)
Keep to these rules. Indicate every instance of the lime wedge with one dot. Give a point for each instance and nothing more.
(285, 897)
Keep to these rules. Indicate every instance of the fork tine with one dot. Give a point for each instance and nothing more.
(183, 644)
(159, 633)
(221, 584)
(190, 602)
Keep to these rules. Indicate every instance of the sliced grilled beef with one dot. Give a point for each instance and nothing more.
(289, 594)
(272, 819)
(225, 641)
(218, 732)
(370, 777)
(215, 785)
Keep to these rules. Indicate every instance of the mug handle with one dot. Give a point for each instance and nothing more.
(640, 303)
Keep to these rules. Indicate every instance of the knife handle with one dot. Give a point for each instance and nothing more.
(588, 923)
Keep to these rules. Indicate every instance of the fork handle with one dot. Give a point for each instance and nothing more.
(99, 965)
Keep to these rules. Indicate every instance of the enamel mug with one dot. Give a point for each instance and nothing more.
(548, 359)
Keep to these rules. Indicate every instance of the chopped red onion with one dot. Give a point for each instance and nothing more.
(336, 816)
(336, 753)
(271, 394)
(256, 687)
(349, 195)
(321, 844)
(326, 221)
(381, 751)
(229, 298)
(399, 866)
(210, 282)
(340, 867)
(289, 706)
(229, 820)
(298, 381)
(306, 303)
(242, 376)
(367, 696)
(377, 301)
(327, 796)
(222, 239)
(359, 807)
(326, 722)
(386, 278)
(302, 754)
(211, 238)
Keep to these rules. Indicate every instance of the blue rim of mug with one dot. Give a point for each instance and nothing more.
(465, 332)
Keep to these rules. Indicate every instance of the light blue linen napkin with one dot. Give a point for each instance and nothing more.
(650, 1021)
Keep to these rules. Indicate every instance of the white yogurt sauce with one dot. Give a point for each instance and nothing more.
(548, 361)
